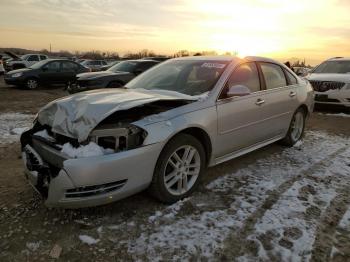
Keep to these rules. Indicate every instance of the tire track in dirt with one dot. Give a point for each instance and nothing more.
(237, 244)
(326, 229)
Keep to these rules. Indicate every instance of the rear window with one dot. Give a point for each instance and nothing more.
(274, 76)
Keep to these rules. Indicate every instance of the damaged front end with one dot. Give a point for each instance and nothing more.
(46, 151)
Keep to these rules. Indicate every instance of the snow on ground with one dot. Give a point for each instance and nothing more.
(88, 240)
(203, 225)
(12, 125)
(337, 114)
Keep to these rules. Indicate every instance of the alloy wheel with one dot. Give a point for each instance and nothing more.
(297, 126)
(32, 84)
(182, 170)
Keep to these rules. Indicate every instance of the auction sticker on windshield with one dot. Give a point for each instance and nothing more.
(213, 65)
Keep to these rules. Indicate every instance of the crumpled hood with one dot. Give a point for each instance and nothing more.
(330, 77)
(77, 115)
(95, 75)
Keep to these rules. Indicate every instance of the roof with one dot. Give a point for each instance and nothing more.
(339, 59)
(208, 58)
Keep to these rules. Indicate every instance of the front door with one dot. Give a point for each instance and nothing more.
(50, 73)
(239, 117)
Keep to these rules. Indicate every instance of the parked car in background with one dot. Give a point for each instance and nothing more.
(24, 61)
(116, 76)
(331, 82)
(162, 130)
(156, 58)
(109, 65)
(300, 71)
(94, 65)
(2, 69)
(49, 71)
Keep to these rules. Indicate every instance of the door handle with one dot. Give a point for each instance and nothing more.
(259, 102)
(292, 94)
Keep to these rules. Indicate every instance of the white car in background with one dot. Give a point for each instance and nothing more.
(331, 82)
(24, 61)
(94, 65)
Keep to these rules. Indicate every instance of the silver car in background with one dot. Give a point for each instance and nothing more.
(163, 129)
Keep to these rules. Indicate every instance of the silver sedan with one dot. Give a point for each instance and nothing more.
(162, 130)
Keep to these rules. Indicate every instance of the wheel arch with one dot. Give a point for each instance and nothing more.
(202, 137)
(304, 108)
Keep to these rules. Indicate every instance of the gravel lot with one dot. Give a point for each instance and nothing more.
(290, 204)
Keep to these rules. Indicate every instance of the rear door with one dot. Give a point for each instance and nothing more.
(239, 118)
(68, 71)
(280, 99)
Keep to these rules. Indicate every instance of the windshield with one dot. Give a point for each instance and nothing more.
(125, 66)
(24, 57)
(38, 64)
(190, 77)
(333, 67)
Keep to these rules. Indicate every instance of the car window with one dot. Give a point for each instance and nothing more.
(273, 74)
(291, 78)
(53, 66)
(33, 58)
(246, 75)
(69, 66)
(42, 57)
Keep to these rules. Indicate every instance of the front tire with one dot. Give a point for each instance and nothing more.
(296, 128)
(32, 83)
(179, 168)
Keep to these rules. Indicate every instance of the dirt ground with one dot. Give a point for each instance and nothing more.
(273, 204)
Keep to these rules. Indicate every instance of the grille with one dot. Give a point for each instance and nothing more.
(94, 190)
(323, 86)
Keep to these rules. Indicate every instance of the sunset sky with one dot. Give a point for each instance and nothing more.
(310, 29)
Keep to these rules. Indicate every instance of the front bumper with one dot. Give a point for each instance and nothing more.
(13, 80)
(91, 181)
(333, 97)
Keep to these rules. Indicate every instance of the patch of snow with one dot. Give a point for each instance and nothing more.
(19, 130)
(345, 221)
(339, 115)
(33, 246)
(44, 134)
(88, 240)
(12, 125)
(92, 149)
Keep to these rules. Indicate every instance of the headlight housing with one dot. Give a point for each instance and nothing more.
(17, 74)
(118, 138)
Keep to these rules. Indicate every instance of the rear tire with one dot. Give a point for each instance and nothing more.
(179, 169)
(296, 128)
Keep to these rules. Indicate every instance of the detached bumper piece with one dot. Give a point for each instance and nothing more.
(88, 191)
(37, 172)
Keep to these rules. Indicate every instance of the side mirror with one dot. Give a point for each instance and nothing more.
(44, 69)
(238, 90)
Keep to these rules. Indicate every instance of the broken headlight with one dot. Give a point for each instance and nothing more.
(118, 138)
